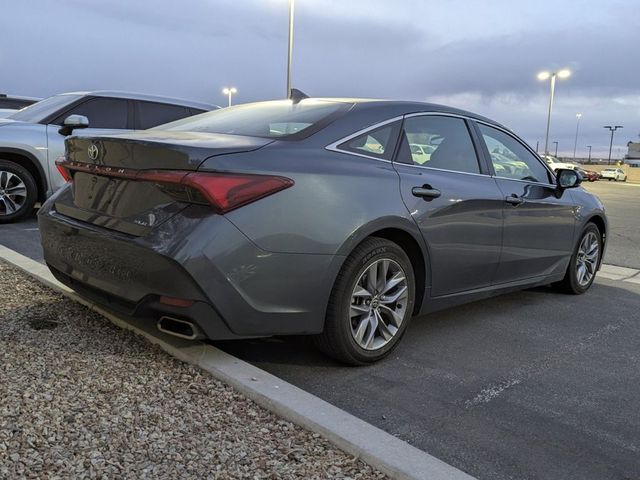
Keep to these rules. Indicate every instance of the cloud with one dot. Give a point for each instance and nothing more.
(482, 56)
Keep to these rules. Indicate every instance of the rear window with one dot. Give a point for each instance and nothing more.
(275, 119)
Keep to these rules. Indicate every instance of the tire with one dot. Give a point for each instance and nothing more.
(624, 179)
(347, 311)
(15, 178)
(571, 283)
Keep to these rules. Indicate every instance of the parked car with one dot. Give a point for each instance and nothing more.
(9, 104)
(221, 226)
(588, 175)
(556, 164)
(614, 174)
(32, 138)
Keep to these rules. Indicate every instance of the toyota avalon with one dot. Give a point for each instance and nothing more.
(315, 217)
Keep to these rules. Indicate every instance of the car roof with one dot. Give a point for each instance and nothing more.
(411, 107)
(147, 97)
(19, 97)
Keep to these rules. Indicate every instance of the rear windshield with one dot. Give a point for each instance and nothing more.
(275, 119)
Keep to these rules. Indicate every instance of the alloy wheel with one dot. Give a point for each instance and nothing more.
(378, 304)
(13, 193)
(588, 257)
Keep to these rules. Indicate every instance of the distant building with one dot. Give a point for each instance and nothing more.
(633, 155)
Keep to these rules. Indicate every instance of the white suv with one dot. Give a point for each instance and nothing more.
(613, 174)
(32, 138)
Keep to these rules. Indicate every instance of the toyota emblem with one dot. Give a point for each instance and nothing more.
(93, 151)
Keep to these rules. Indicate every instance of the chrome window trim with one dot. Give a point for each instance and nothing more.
(443, 170)
(526, 146)
(334, 146)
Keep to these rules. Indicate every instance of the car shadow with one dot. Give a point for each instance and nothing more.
(524, 306)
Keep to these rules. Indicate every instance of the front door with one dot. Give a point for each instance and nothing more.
(455, 203)
(539, 218)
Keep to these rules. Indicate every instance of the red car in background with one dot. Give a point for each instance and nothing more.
(588, 175)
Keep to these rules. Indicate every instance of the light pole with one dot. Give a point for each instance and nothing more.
(556, 154)
(229, 91)
(589, 147)
(290, 49)
(545, 76)
(575, 144)
(612, 129)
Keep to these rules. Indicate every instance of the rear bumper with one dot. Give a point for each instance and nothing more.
(238, 290)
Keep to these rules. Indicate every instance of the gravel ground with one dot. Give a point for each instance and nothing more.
(81, 398)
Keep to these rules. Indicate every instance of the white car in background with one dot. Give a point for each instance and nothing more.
(31, 139)
(556, 164)
(613, 174)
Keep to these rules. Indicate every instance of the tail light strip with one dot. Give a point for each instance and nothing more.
(224, 191)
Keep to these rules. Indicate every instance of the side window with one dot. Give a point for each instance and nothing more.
(438, 142)
(511, 159)
(152, 114)
(101, 112)
(379, 142)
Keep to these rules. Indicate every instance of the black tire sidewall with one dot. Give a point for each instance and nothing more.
(365, 258)
(30, 184)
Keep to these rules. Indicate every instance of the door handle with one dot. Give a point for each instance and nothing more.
(425, 191)
(514, 199)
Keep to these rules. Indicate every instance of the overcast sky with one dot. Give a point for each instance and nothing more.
(478, 55)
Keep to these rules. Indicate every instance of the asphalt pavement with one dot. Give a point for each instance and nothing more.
(530, 385)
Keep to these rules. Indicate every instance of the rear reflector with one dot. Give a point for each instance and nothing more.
(176, 302)
(63, 170)
(223, 191)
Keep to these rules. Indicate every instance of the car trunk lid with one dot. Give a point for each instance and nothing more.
(130, 182)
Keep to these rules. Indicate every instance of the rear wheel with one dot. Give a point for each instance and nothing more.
(370, 305)
(18, 192)
(582, 268)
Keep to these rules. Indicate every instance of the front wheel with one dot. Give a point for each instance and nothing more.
(370, 305)
(584, 262)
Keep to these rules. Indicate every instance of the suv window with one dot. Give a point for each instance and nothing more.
(438, 142)
(101, 112)
(511, 159)
(150, 114)
(378, 142)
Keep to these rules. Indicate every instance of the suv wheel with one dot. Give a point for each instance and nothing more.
(18, 192)
(583, 266)
(370, 305)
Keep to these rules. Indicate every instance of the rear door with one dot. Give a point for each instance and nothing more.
(539, 219)
(454, 201)
(152, 114)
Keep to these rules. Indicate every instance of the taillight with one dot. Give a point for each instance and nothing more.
(223, 191)
(228, 191)
(66, 174)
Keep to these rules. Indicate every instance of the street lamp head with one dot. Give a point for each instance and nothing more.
(227, 90)
(578, 116)
(565, 73)
(544, 75)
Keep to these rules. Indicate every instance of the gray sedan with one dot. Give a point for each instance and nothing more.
(315, 217)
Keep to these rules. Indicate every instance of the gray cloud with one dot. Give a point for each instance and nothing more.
(476, 55)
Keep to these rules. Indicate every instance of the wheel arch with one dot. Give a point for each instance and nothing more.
(31, 163)
(404, 233)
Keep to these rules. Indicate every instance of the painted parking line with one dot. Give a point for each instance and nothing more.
(372, 445)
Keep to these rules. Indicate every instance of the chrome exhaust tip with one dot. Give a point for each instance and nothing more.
(179, 328)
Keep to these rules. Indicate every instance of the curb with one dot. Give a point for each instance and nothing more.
(374, 446)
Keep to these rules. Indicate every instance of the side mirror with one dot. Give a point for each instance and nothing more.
(566, 178)
(72, 122)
